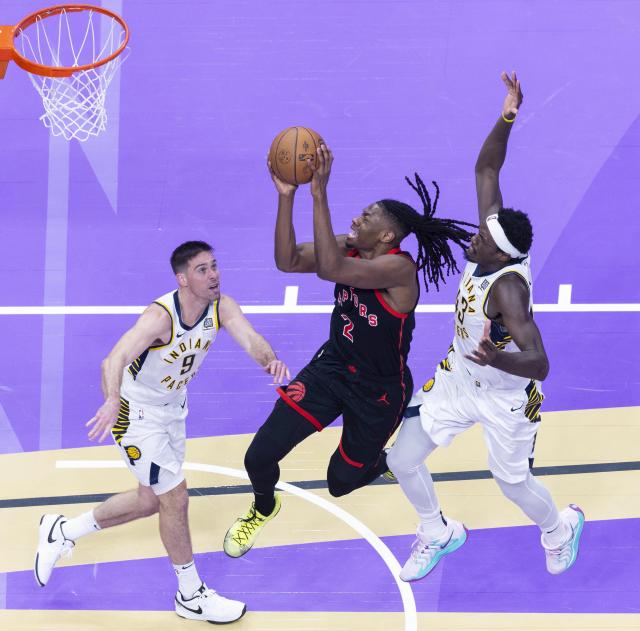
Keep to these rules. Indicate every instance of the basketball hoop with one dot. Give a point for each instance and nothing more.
(71, 61)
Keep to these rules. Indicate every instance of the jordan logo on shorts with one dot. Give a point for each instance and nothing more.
(384, 399)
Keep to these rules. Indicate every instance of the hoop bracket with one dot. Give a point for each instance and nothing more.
(6, 48)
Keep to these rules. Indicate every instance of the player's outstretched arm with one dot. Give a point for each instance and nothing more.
(510, 298)
(241, 330)
(289, 255)
(153, 326)
(494, 150)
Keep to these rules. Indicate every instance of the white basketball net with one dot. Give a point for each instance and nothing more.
(74, 106)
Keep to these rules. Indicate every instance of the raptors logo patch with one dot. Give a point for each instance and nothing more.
(427, 386)
(296, 391)
(133, 453)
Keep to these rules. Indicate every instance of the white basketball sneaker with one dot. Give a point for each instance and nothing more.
(51, 546)
(207, 605)
(425, 556)
(561, 558)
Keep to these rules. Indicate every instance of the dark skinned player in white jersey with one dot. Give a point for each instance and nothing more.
(490, 376)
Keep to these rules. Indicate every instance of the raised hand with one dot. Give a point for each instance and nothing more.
(278, 369)
(321, 172)
(104, 420)
(514, 97)
(283, 188)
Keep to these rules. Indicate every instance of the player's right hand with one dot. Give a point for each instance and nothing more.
(104, 419)
(283, 188)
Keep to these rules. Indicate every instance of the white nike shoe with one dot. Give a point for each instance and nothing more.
(51, 546)
(561, 558)
(207, 605)
(425, 556)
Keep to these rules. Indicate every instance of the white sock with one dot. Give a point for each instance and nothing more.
(189, 581)
(434, 529)
(79, 526)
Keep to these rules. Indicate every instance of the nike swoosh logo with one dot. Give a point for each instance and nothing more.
(51, 531)
(516, 409)
(179, 334)
(198, 610)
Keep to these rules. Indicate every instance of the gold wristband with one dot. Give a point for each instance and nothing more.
(508, 120)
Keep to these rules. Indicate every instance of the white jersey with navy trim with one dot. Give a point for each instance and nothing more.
(160, 375)
(470, 320)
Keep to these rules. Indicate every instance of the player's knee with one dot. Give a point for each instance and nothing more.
(340, 479)
(338, 488)
(260, 455)
(396, 462)
(511, 490)
(177, 499)
(402, 463)
(148, 502)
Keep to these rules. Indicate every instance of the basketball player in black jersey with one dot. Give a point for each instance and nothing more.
(361, 372)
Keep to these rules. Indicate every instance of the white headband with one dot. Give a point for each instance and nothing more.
(501, 238)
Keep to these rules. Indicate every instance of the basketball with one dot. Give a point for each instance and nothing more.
(289, 153)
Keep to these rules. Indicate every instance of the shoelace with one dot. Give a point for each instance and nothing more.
(565, 547)
(67, 548)
(421, 549)
(249, 524)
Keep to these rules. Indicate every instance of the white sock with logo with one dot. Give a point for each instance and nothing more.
(79, 526)
(189, 581)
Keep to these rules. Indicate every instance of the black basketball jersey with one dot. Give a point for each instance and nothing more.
(367, 333)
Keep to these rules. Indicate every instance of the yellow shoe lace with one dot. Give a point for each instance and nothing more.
(247, 526)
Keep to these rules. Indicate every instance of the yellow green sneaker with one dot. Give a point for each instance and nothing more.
(245, 530)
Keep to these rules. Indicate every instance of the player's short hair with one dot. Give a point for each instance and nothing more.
(517, 228)
(185, 252)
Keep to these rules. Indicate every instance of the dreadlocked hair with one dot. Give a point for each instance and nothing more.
(435, 257)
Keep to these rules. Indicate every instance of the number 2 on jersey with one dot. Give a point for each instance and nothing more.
(348, 327)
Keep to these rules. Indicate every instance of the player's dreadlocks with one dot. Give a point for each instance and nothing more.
(433, 234)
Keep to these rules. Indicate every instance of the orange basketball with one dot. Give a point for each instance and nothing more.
(290, 151)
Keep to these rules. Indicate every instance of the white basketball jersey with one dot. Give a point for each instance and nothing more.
(160, 375)
(470, 320)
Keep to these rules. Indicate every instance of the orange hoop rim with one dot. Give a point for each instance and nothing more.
(59, 71)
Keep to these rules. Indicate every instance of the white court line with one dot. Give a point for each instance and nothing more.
(290, 305)
(616, 307)
(564, 294)
(408, 601)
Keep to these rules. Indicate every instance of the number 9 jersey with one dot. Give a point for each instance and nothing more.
(161, 373)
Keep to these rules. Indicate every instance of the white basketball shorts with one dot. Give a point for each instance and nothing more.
(151, 439)
(452, 402)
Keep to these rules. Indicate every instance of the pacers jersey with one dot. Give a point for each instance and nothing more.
(368, 334)
(160, 375)
(470, 320)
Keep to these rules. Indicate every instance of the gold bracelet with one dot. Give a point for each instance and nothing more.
(508, 120)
